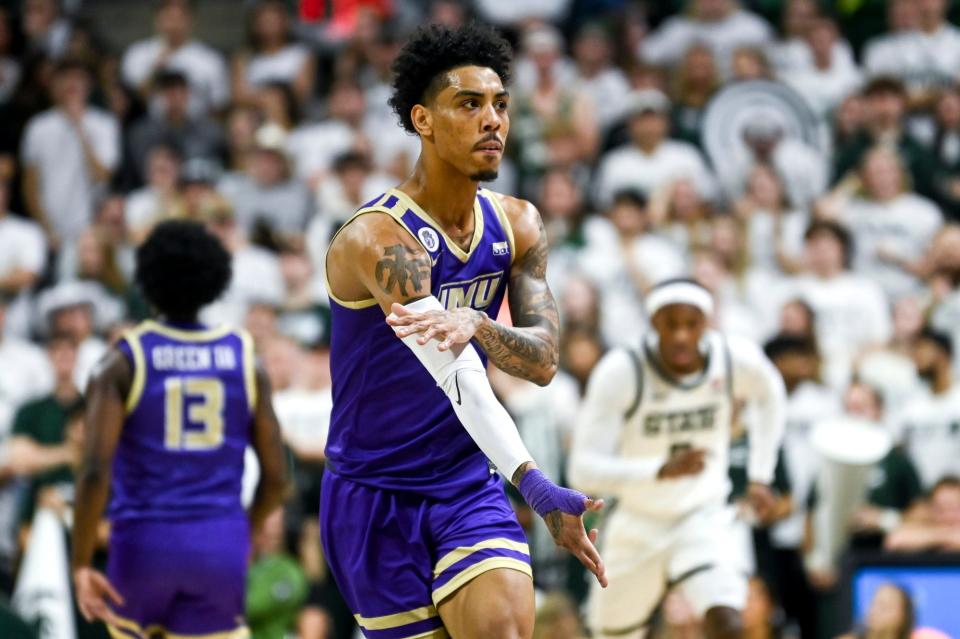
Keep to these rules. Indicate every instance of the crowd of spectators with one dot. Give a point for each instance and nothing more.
(836, 247)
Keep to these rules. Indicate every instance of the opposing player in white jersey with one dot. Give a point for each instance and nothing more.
(655, 434)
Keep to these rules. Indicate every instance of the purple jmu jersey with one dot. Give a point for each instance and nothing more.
(189, 420)
(392, 427)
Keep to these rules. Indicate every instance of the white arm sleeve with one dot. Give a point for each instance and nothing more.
(756, 380)
(595, 466)
(461, 375)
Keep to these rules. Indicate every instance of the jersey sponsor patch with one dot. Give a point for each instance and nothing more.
(429, 238)
(501, 248)
(476, 293)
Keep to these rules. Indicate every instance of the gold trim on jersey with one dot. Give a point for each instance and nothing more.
(504, 220)
(249, 369)
(377, 207)
(131, 626)
(461, 553)
(139, 368)
(186, 335)
(472, 572)
(458, 252)
(397, 619)
(437, 633)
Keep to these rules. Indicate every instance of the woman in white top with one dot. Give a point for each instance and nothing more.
(272, 56)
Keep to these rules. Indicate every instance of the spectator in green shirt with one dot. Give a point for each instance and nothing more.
(276, 584)
(47, 432)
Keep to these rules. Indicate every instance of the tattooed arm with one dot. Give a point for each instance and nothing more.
(530, 349)
(374, 257)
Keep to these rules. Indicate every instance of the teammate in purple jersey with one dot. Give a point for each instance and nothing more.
(418, 531)
(171, 409)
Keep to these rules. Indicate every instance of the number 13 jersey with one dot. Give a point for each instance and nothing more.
(189, 419)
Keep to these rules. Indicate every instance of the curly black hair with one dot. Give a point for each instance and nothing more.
(181, 268)
(433, 50)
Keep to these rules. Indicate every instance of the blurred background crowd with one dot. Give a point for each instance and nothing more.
(801, 159)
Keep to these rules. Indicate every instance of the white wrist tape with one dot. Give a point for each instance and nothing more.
(461, 375)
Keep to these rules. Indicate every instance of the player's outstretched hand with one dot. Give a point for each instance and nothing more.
(93, 590)
(448, 327)
(568, 532)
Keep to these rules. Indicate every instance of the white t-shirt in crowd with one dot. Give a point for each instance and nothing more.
(904, 226)
(606, 90)
(515, 13)
(824, 89)
(851, 313)
(88, 354)
(764, 239)
(922, 60)
(630, 168)
(794, 55)
(256, 278)
(605, 263)
(25, 373)
(22, 247)
(52, 146)
(929, 428)
(668, 44)
(281, 66)
(204, 67)
(304, 416)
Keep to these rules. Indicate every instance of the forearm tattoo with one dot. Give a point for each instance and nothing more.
(518, 473)
(402, 266)
(529, 349)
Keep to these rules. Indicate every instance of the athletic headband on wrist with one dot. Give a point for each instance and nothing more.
(679, 292)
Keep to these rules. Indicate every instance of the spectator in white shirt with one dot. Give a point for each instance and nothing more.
(313, 146)
(602, 82)
(851, 310)
(267, 197)
(652, 159)
(624, 259)
(774, 228)
(25, 373)
(829, 78)
(68, 153)
(174, 49)
(892, 228)
(925, 57)
(930, 423)
(256, 278)
(23, 254)
(272, 55)
(159, 198)
(790, 52)
(82, 310)
(720, 24)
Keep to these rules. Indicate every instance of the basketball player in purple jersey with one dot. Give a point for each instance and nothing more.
(170, 410)
(417, 529)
